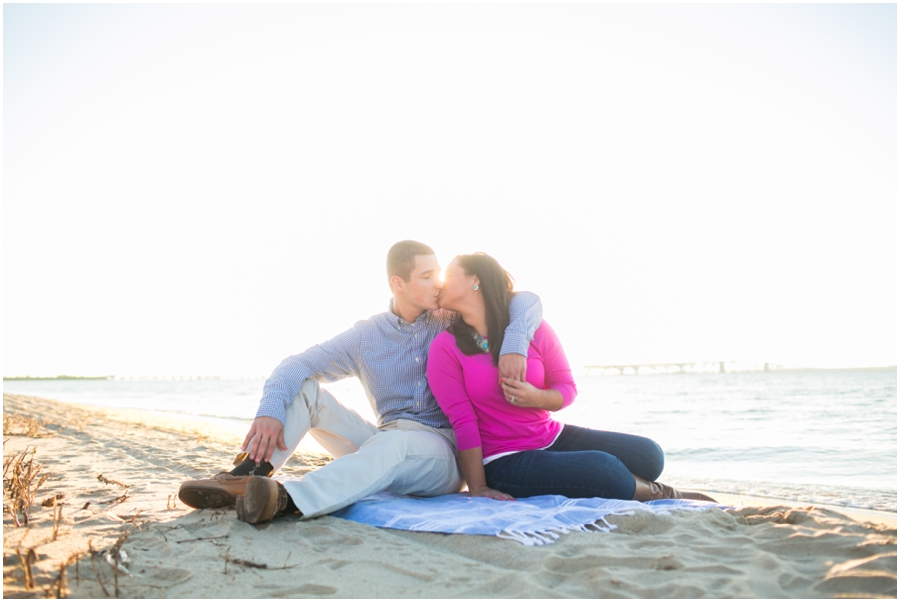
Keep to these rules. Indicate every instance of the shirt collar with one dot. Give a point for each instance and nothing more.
(400, 321)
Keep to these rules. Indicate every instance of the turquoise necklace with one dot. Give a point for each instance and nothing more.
(480, 341)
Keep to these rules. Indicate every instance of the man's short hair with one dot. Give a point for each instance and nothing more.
(401, 259)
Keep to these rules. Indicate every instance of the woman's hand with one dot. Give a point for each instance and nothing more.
(491, 493)
(525, 395)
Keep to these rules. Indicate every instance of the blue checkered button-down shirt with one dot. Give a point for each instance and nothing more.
(388, 355)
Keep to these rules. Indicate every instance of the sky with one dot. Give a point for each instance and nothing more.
(206, 189)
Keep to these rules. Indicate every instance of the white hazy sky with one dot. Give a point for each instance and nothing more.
(206, 189)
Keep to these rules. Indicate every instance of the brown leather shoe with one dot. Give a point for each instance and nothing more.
(264, 500)
(651, 490)
(217, 492)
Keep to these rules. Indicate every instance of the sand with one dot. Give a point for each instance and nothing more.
(761, 549)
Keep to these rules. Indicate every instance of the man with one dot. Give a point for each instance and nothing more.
(412, 449)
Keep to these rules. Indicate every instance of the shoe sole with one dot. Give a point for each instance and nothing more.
(203, 497)
(258, 504)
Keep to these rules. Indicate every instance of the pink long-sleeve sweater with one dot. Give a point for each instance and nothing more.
(467, 389)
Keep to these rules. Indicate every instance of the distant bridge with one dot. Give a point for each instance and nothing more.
(683, 367)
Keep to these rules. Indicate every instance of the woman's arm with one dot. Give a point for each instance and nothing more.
(560, 388)
(525, 395)
(447, 382)
(472, 463)
(557, 373)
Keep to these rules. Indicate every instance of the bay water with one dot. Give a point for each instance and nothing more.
(817, 436)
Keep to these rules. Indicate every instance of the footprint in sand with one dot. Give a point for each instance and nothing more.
(306, 590)
(162, 577)
(326, 536)
(667, 563)
(311, 589)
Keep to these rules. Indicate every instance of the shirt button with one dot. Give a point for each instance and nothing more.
(417, 359)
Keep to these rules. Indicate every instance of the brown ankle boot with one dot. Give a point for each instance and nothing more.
(645, 490)
(263, 500)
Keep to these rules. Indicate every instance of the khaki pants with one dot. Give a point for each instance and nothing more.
(403, 457)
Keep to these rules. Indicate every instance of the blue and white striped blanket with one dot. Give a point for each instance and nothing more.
(531, 521)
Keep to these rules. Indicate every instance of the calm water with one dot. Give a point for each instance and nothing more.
(814, 436)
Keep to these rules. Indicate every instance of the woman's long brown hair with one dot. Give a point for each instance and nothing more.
(496, 286)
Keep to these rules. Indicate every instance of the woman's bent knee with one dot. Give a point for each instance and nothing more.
(654, 460)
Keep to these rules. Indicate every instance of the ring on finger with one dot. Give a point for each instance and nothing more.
(512, 399)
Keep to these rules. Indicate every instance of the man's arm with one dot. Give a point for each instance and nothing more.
(332, 360)
(525, 315)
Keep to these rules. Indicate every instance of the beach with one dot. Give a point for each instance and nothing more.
(106, 522)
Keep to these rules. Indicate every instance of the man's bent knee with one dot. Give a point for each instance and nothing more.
(424, 463)
(308, 393)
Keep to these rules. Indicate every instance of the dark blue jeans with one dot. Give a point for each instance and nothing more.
(581, 463)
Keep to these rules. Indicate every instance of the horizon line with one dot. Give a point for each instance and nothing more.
(781, 368)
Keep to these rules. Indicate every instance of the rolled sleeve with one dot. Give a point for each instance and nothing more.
(525, 315)
(467, 434)
(568, 393)
(273, 408)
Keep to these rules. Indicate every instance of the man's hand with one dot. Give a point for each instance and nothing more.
(265, 433)
(512, 365)
(491, 493)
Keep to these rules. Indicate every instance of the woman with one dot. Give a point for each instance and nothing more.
(508, 443)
